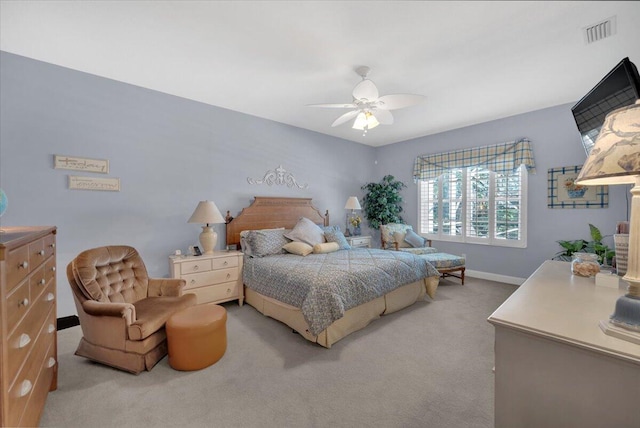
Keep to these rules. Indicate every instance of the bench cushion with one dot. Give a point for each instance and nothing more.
(444, 260)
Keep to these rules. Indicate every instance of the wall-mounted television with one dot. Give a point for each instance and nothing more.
(619, 88)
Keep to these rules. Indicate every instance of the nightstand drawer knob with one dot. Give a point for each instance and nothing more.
(225, 263)
(24, 340)
(228, 275)
(193, 282)
(228, 291)
(196, 267)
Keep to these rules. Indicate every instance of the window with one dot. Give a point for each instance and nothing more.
(475, 205)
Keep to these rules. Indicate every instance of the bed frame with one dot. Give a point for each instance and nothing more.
(274, 212)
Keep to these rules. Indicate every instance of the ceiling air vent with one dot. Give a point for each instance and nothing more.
(600, 30)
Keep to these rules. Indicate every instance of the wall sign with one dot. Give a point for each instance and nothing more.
(93, 183)
(81, 164)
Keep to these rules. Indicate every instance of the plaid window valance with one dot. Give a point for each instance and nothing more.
(500, 158)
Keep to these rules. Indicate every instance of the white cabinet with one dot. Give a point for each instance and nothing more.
(213, 278)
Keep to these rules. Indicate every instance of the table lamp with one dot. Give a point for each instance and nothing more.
(615, 159)
(208, 213)
(352, 204)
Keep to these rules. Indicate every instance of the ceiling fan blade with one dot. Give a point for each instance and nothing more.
(397, 101)
(365, 89)
(333, 105)
(345, 118)
(384, 116)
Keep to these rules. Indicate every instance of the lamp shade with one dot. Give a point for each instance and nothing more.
(615, 157)
(352, 203)
(365, 120)
(206, 213)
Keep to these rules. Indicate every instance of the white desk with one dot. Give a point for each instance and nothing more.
(554, 367)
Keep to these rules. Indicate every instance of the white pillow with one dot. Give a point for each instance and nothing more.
(299, 248)
(306, 231)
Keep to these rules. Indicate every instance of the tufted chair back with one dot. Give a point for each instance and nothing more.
(114, 274)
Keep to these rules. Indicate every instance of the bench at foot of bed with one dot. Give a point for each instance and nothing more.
(446, 264)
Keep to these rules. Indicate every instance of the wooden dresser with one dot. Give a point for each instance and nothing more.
(28, 349)
(213, 278)
(554, 367)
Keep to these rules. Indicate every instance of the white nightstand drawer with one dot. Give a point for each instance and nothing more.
(218, 293)
(211, 277)
(202, 265)
(224, 262)
(359, 241)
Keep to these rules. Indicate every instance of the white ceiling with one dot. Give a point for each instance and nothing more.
(474, 61)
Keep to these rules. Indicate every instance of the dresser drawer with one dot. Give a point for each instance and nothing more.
(37, 282)
(23, 339)
(49, 245)
(225, 262)
(209, 278)
(18, 266)
(18, 303)
(50, 269)
(195, 266)
(38, 396)
(37, 254)
(216, 293)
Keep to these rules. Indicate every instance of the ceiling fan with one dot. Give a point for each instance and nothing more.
(370, 109)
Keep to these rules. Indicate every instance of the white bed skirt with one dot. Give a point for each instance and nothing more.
(353, 320)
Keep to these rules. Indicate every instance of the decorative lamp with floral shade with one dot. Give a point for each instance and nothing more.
(615, 159)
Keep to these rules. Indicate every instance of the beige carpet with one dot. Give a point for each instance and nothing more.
(426, 366)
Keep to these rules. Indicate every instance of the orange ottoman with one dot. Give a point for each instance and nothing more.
(197, 337)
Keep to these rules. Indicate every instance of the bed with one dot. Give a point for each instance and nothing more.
(323, 296)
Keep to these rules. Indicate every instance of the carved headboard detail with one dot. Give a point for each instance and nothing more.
(271, 213)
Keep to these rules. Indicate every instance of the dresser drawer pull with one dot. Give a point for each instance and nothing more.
(24, 302)
(228, 275)
(225, 263)
(25, 388)
(193, 282)
(53, 245)
(53, 269)
(50, 297)
(24, 264)
(24, 340)
(228, 291)
(51, 328)
(41, 252)
(51, 362)
(42, 281)
(196, 267)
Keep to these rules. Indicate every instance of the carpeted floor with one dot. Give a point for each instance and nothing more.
(429, 365)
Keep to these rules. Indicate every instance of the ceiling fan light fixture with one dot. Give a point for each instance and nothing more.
(365, 121)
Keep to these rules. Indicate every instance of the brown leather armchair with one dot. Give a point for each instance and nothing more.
(122, 311)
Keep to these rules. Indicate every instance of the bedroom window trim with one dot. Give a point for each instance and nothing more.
(500, 162)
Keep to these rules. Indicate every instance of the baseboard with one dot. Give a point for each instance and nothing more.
(494, 277)
(67, 322)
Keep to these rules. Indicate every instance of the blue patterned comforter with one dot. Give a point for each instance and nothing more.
(324, 286)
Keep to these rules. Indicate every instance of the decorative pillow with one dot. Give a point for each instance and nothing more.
(387, 231)
(334, 234)
(399, 238)
(327, 247)
(415, 240)
(262, 243)
(244, 245)
(299, 248)
(306, 231)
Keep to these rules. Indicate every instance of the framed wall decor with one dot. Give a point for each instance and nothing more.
(563, 192)
(81, 164)
(94, 183)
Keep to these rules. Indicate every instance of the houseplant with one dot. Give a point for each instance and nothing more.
(595, 245)
(382, 201)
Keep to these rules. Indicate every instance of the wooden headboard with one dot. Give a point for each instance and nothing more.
(271, 213)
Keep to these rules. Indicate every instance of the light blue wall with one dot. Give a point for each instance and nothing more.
(169, 153)
(556, 142)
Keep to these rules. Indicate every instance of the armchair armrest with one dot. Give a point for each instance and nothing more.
(168, 287)
(119, 310)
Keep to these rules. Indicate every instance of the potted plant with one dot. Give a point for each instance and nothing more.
(595, 246)
(382, 201)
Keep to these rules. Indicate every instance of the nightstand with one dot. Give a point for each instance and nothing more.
(213, 278)
(359, 241)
